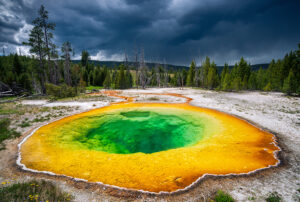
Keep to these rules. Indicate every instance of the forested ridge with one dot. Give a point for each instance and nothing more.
(51, 69)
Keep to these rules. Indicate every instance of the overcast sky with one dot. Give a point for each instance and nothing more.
(175, 31)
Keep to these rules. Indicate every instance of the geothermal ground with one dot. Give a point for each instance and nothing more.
(271, 111)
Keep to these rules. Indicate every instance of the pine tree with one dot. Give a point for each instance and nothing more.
(242, 74)
(236, 78)
(205, 66)
(297, 70)
(24, 81)
(252, 83)
(223, 74)
(85, 75)
(103, 75)
(236, 84)
(85, 56)
(129, 80)
(98, 77)
(212, 77)
(46, 26)
(289, 86)
(191, 74)
(174, 79)
(261, 79)
(37, 47)
(268, 87)
(274, 75)
(17, 66)
(245, 82)
(227, 82)
(107, 81)
(121, 80)
(94, 72)
(91, 78)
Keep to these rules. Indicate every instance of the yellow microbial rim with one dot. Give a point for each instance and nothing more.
(233, 147)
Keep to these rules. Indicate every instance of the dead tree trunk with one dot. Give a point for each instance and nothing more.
(67, 72)
(157, 75)
(166, 76)
(136, 69)
(66, 49)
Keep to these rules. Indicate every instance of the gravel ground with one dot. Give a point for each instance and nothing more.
(273, 111)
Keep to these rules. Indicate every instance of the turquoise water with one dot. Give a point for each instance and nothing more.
(132, 131)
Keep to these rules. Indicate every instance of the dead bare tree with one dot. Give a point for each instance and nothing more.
(56, 72)
(5, 90)
(66, 49)
(197, 71)
(54, 56)
(165, 74)
(157, 72)
(180, 79)
(142, 70)
(35, 85)
(144, 77)
(136, 67)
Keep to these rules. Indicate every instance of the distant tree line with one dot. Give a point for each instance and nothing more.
(50, 71)
(281, 75)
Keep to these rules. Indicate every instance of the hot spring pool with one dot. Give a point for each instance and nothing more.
(134, 130)
(147, 146)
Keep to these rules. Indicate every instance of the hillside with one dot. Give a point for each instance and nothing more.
(112, 64)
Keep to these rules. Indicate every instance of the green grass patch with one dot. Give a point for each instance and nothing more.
(7, 111)
(41, 119)
(273, 197)
(11, 108)
(93, 87)
(8, 98)
(252, 198)
(33, 191)
(24, 124)
(223, 197)
(6, 132)
(83, 97)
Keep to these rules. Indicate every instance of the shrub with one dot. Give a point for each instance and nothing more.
(24, 124)
(273, 197)
(223, 197)
(33, 191)
(268, 87)
(153, 98)
(60, 91)
(91, 88)
(6, 132)
(81, 86)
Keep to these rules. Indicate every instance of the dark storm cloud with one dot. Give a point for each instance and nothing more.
(175, 30)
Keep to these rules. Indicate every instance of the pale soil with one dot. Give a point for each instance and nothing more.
(272, 111)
